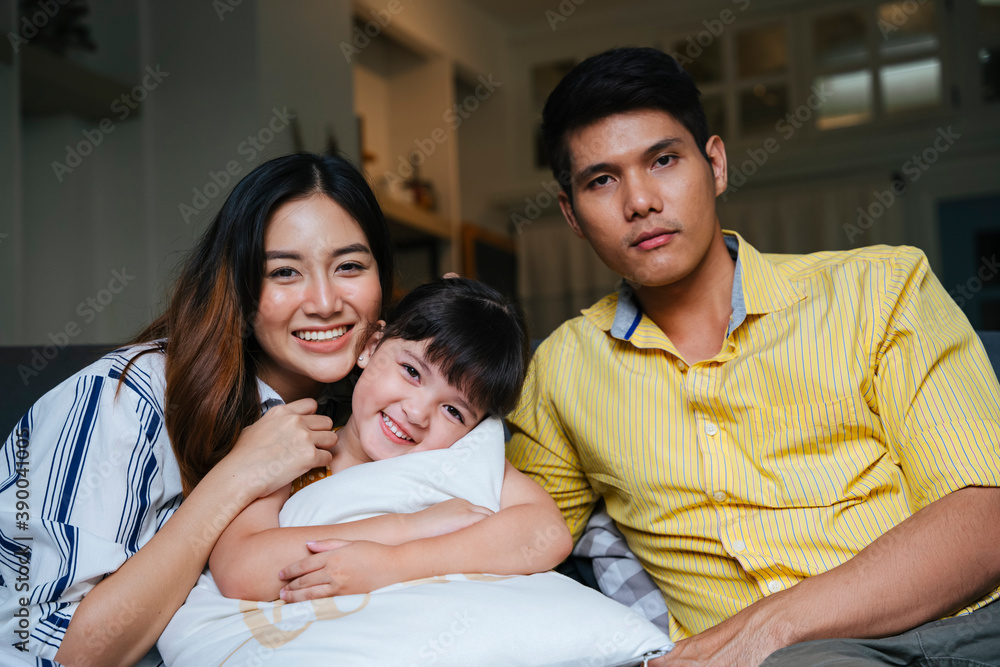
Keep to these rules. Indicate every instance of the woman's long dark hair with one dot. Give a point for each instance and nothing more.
(207, 334)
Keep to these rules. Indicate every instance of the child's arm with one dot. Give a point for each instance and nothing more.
(527, 535)
(250, 553)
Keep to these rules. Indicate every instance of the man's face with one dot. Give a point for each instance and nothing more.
(644, 195)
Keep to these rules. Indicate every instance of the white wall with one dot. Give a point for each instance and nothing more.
(120, 209)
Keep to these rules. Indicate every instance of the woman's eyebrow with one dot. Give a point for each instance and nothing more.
(291, 254)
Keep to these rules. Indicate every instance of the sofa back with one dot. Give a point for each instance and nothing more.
(26, 373)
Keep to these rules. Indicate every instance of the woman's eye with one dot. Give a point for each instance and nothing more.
(411, 371)
(283, 272)
(351, 267)
(454, 412)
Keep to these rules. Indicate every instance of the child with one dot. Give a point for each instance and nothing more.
(453, 353)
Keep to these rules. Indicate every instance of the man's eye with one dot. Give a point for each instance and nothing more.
(600, 180)
(411, 371)
(664, 160)
(454, 412)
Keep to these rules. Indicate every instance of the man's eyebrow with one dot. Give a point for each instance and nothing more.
(291, 254)
(591, 169)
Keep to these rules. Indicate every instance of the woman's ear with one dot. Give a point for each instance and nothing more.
(371, 345)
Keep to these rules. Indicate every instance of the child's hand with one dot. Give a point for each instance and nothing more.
(340, 568)
(445, 517)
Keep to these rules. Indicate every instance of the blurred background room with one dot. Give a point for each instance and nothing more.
(124, 124)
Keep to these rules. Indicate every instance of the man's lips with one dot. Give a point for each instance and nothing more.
(653, 239)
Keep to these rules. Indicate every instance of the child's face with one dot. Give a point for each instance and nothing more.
(403, 404)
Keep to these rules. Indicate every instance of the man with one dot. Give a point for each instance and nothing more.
(795, 447)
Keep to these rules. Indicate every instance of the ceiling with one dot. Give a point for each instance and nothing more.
(516, 13)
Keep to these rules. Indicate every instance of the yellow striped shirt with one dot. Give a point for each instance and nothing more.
(850, 392)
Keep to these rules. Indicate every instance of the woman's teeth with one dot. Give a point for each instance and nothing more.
(321, 335)
(395, 429)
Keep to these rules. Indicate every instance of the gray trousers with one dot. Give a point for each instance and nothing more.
(972, 640)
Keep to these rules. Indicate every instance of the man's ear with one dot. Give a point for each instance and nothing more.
(371, 345)
(716, 152)
(567, 210)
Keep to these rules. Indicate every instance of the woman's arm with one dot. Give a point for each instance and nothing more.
(248, 557)
(120, 619)
(527, 535)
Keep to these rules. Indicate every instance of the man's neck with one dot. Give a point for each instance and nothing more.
(694, 312)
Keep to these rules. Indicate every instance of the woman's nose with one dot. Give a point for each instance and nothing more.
(323, 299)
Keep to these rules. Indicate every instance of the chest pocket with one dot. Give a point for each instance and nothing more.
(814, 454)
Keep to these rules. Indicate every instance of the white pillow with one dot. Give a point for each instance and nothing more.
(458, 619)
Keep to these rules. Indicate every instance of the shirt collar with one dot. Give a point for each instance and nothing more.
(765, 290)
(332, 393)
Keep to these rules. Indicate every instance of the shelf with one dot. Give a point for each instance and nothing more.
(51, 84)
(427, 222)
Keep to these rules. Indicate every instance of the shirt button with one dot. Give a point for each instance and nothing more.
(774, 586)
(711, 428)
(720, 496)
(739, 545)
(681, 366)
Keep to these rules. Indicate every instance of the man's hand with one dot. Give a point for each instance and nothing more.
(740, 640)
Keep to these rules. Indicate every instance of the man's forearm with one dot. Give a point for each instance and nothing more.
(939, 560)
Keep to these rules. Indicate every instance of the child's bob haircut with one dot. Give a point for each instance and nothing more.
(476, 337)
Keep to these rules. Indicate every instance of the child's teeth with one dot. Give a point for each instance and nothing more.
(392, 427)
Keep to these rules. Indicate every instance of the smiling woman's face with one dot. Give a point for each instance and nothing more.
(320, 291)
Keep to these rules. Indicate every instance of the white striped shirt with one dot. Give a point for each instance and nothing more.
(96, 478)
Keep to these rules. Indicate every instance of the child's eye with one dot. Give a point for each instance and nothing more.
(411, 371)
(454, 412)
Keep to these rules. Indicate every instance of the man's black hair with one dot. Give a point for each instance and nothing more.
(614, 82)
(476, 337)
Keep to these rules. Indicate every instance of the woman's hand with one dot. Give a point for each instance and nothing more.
(341, 568)
(445, 517)
(288, 441)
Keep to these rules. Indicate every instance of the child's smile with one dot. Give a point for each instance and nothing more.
(403, 404)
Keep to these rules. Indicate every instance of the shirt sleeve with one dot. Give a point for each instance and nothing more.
(81, 490)
(540, 444)
(935, 390)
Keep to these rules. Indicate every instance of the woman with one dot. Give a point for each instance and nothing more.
(266, 317)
